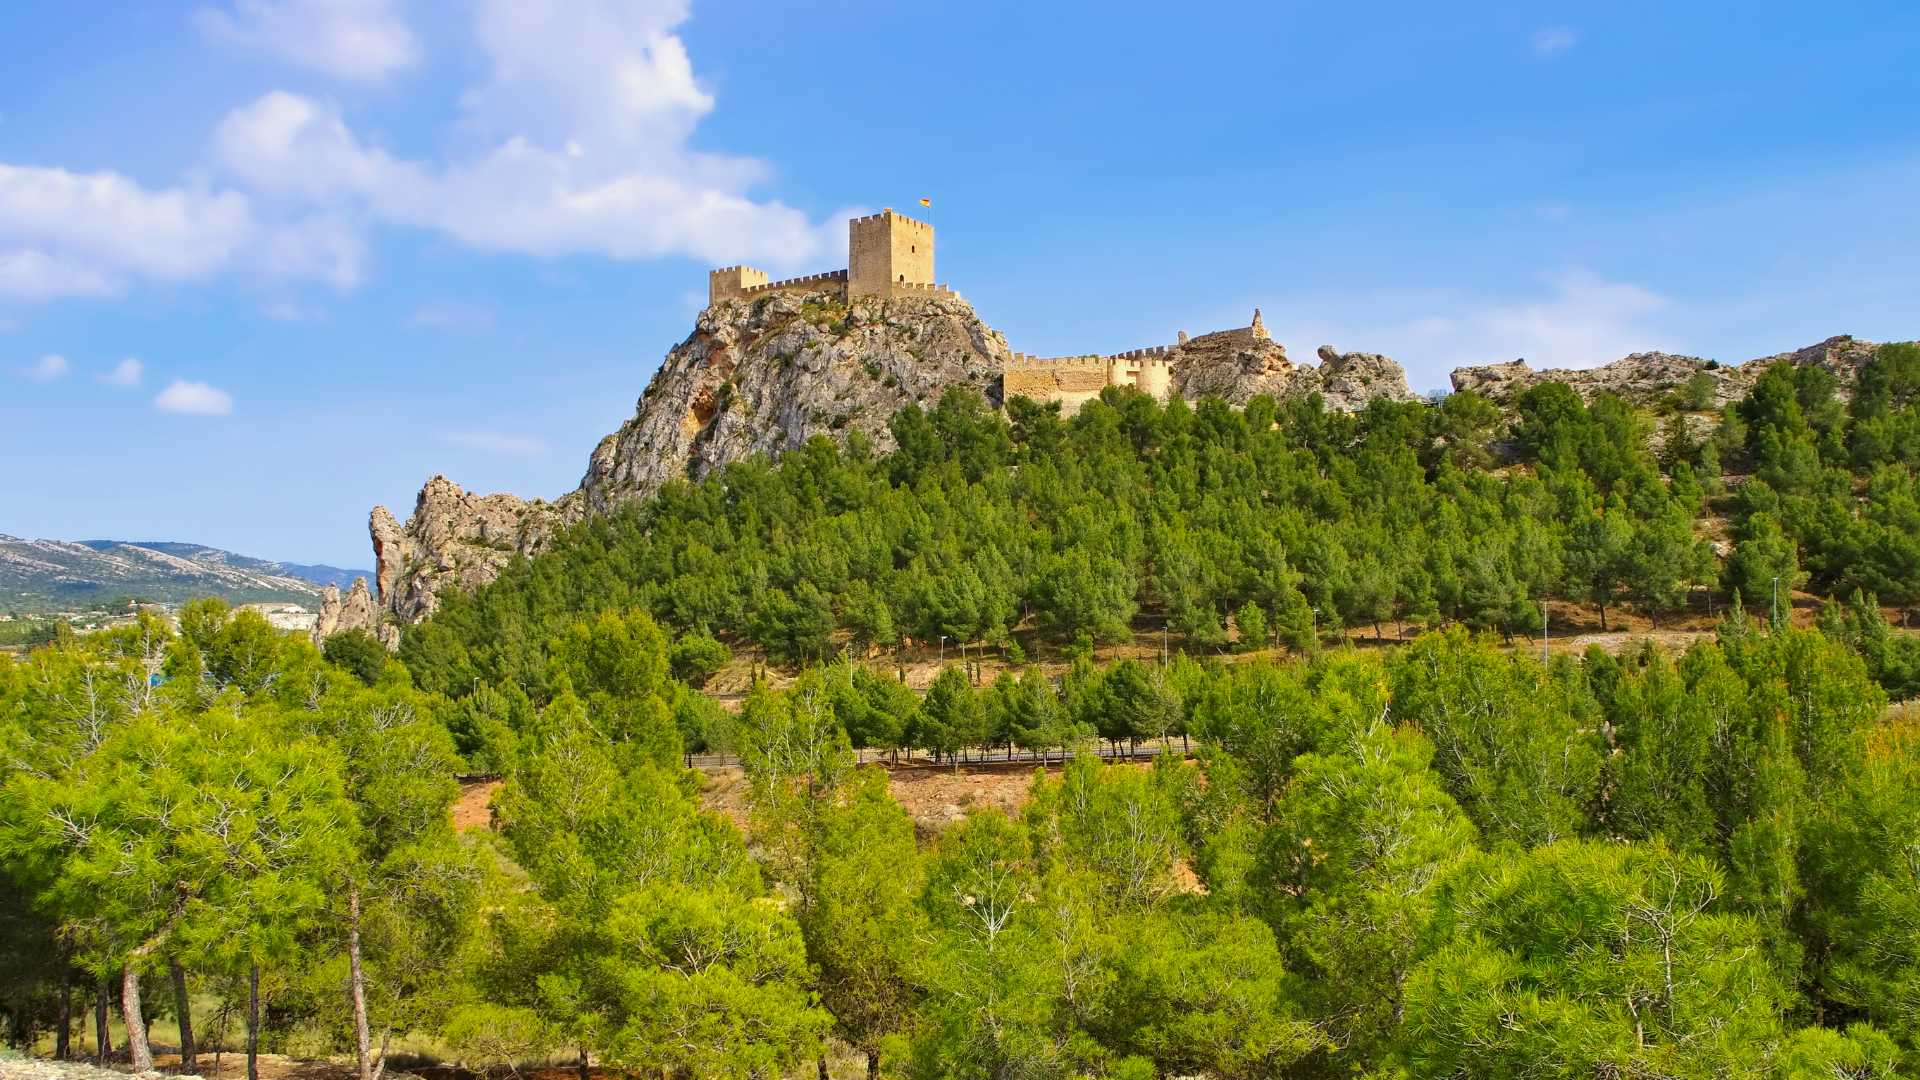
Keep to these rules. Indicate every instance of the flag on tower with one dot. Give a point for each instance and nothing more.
(926, 202)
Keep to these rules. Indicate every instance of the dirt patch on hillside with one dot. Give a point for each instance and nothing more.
(474, 809)
(934, 796)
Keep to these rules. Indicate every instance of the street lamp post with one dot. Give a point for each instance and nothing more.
(943, 650)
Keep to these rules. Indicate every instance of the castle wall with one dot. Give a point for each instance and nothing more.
(1075, 380)
(733, 282)
(833, 281)
(886, 250)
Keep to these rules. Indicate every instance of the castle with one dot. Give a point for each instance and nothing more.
(890, 256)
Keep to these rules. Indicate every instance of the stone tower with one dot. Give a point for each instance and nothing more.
(886, 251)
(732, 282)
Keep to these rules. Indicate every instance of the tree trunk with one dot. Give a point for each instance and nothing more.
(102, 1038)
(357, 983)
(253, 1022)
(139, 1054)
(183, 1011)
(873, 1065)
(583, 1064)
(821, 1062)
(63, 1039)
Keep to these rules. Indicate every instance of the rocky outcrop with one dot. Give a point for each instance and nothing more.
(355, 611)
(767, 375)
(1348, 381)
(1235, 365)
(456, 539)
(1238, 365)
(1651, 378)
(758, 376)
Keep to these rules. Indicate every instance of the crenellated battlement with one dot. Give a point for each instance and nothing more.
(888, 255)
(901, 220)
(835, 280)
(1054, 363)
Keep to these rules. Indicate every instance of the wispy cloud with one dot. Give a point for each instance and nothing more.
(48, 368)
(1550, 41)
(188, 398)
(1578, 320)
(361, 40)
(125, 374)
(451, 315)
(496, 442)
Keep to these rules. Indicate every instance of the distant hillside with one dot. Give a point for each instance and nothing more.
(56, 575)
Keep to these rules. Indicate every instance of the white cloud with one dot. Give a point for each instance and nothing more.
(65, 233)
(48, 368)
(126, 373)
(450, 315)
(194, 399)
(496, 442)
(362, 40)
(1551, 41)
(30, 274)
(580, 127)
(574, 139)
(77, 231)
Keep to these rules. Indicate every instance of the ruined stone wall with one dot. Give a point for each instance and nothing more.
(1070, 380)
(885, 250)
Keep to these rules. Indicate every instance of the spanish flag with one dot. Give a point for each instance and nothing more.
(926, 202)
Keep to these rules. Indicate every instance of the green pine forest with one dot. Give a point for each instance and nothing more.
(1441, 857)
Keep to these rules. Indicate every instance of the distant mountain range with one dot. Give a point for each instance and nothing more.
(67, 575)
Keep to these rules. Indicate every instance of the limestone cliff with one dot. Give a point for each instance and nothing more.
(767, 375)
(455, 538)
(759, 375)
(355, 611)
(1646, 378)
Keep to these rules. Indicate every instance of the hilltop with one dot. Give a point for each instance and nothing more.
(770, 365)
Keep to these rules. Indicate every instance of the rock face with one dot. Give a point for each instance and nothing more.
(1349, 380)
(456, 539)
(766, 376)
(1646, 378)
(1238, 365)
(760, 375)
(356, 611)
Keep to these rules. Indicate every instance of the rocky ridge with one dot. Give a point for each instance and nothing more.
(760, 376)
(1239, 365)
(1647, 378)
(766, 375)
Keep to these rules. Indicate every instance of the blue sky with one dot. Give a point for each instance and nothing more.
(265, 263)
